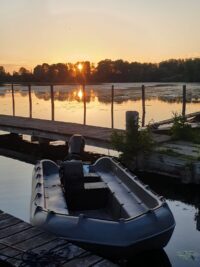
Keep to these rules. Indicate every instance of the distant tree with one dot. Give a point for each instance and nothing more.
(104, 71)
(2, 74)
(41, 73)
(108, 70)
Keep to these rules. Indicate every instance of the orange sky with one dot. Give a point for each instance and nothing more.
(37, 31)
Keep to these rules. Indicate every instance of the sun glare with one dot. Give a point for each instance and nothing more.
(80, 66)
(80, 94)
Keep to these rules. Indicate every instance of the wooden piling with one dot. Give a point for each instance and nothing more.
(30, 101)
(132, 118)
(52, 103)
(13, 99)
(184, 101)
(112, 106)
(143, 106)
(84, 104)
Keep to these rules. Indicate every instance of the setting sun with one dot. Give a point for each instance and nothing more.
(80, 66)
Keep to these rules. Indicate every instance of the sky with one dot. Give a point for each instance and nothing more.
(37, 31)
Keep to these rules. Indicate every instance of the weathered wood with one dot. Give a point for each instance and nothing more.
(52, 103)
(175, 159)
(24, 234)
(8, 222)
(70, 252)
(8, 253)
(13, 99)
(88, 260)
(143, 106)
(132, 118)
(30, 101)
(112, 106)
(35, 245)
(84, 104)
(54, 245)
(4, 216)
(36, 241)
(13, 229)
(184, 101)
(168, 121)
(99, 136)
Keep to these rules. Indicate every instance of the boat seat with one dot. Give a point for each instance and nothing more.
(91, 177)
(129, 204)
(95, 186)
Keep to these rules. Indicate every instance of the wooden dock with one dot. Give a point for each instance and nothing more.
(57, 130)
(24, 245)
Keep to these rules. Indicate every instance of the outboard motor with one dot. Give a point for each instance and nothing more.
(76, 146)
(72, 179)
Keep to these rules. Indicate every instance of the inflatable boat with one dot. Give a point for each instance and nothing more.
(101, 207)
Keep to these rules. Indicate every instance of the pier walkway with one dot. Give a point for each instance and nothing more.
(24, 245)
(57, 130)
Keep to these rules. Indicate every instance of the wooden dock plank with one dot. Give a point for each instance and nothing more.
(27, 233)
(55, 130)
(54, 245)
(4, 216)
(83, 261)
(35, 241)
(187, 116)
(21, 243)
(8, 222)
(105, 263)
(69, 252)
(8, 252)
(13, 229)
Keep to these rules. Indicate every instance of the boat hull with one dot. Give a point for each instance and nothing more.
(110, 238)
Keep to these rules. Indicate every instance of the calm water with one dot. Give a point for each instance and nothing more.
(183, 249)
(161, 101)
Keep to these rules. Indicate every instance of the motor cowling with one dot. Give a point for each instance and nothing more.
(76, 146)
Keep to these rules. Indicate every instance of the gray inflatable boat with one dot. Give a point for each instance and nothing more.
(101, 207)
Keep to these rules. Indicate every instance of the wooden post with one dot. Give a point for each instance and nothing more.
(184, 101)
(30, 101)
(13, 99)
(112, 105)
(143, 106)
(52, 103)
(84, 104)
(132, 118)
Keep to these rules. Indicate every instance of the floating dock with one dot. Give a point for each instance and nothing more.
(171, 158)
(21, 244)
(57, 130)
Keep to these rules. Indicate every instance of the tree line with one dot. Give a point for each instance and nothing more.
(181, 70)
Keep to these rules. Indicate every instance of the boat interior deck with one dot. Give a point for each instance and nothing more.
(96, 192)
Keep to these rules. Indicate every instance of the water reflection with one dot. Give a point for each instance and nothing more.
(166, 93)
(69, 102)
(183, 250)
